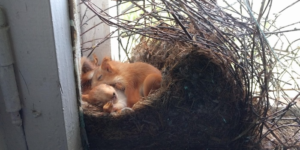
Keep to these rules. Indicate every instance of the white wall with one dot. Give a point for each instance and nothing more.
(40, 33)
(95, 33)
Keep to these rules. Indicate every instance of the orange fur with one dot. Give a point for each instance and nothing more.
(107, 96)
(95, 59)
(112, 100)
(137, 79)
(100, 95)
(87, 71)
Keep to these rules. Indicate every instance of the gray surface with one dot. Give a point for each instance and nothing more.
(45, 73)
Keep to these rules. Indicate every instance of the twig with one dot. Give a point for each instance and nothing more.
(289, 6)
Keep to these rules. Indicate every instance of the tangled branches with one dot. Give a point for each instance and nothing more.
(238, 40)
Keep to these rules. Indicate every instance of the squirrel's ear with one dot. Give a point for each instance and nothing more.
(95, 61)
(85, 97)
(105, 64)
(86, 65)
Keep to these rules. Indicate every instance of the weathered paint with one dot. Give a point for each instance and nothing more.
(40, 32)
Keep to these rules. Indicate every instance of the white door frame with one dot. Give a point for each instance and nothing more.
(44, 62)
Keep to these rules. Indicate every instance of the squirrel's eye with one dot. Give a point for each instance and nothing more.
(99, 78)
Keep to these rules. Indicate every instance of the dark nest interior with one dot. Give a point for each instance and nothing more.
(218, 82)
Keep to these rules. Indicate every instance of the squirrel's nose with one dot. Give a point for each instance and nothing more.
(114, 96)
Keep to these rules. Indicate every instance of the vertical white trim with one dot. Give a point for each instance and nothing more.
(64, 53)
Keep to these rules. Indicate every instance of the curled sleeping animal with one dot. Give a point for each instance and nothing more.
(101, 95)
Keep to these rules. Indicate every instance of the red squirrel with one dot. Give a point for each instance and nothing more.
(112, 99)
(136, 79)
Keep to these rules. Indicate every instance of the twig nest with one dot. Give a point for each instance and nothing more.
(200, 105)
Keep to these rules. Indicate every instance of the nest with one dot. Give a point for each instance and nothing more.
(200, 104)
(217, 81)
